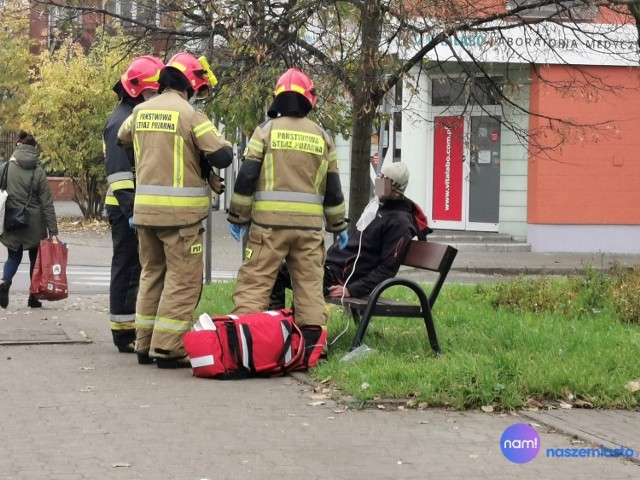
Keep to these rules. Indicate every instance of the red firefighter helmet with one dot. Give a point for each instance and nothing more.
(294, 80)
(142, 74)
(192, 69)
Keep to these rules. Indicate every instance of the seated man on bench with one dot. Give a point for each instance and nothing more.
(376, 247)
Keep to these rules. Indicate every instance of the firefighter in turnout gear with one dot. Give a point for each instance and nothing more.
(136, 85)
(288, 189)
(169, 138)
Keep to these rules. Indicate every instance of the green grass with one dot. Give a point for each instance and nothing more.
(495, 350)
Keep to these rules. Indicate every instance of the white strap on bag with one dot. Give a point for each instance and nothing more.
(3, 196)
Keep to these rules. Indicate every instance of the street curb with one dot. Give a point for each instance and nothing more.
(563, 428)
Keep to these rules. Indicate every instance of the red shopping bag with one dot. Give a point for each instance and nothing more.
(49, 281)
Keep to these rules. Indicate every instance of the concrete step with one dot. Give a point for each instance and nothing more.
(479, 241)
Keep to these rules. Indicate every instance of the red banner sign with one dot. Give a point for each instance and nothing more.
(447, 168)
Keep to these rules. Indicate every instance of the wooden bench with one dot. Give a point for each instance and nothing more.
(435, 257)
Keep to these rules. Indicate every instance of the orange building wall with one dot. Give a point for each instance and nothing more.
(594, 177)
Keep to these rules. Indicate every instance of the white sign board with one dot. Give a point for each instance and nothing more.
(543, 43)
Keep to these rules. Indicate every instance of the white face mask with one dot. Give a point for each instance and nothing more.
(368, 215)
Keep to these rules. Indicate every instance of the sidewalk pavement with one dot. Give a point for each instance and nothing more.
(73, 408)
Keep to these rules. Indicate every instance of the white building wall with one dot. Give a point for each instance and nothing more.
(515, 161)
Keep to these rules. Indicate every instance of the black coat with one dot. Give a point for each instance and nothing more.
(382, 245)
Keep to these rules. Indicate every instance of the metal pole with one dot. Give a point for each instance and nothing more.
(208, 236)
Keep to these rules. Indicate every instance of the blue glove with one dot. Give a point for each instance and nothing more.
(238, 231)
(344, 238)
(131, 222)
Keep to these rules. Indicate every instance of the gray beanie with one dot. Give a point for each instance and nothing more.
(398, 173)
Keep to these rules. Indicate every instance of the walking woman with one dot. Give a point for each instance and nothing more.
(26, 184)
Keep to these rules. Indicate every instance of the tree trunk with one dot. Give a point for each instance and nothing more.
(365, 101)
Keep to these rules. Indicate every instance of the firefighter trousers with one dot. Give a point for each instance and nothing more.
(170, 288)
(304, 253)
(125, 278)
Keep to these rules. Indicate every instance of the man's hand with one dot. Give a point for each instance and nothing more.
(238, 231)
(338, 290)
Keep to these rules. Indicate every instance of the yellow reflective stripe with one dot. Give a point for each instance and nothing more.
(136, 148)
(178, 161)
(241, 199)
(255, 145)
(295, 88)
(333, 156)
(298, 141)
(204, 128)
(291, 207)
(169, 325)
(169, 201)
(145, 321)
(122, 325)
(267, 168)
(104, 148)
(111, 200)
(338, 209)
(119, 185)
(320, 175)
(157, 121)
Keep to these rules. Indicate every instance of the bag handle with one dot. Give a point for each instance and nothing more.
(4, 178)
(26, 205)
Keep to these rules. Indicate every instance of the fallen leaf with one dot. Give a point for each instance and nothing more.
(364, 386)
(633, 386)
(331, 418)
(473, 455)
(533, 403)
(582, 404)
(318, 396)
(487, 408)
(536, 425)
(120, 465)
(315, 404)
(423, 406)
(381, 407)
(424, 422)
(565, 405)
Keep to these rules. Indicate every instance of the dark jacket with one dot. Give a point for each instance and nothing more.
(382, 249)
(42, 222)
(118, 162)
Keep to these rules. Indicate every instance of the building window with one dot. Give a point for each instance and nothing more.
(448, 91)
(146, 12)
(453, 91)
(575, 10)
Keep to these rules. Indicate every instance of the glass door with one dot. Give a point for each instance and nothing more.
(484, 173)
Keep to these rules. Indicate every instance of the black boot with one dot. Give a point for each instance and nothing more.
(4, 293)
(33, 302)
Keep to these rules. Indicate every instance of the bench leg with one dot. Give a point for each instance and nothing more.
(431, 330)
(362, 328)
